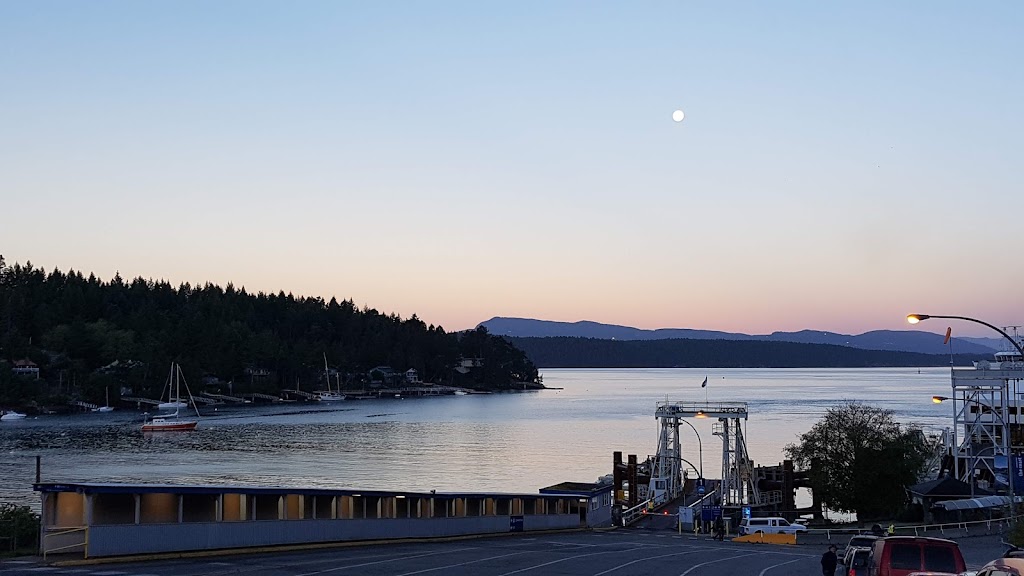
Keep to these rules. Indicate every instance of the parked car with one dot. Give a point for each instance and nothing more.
(905, 555)
(1010, 565)
(770, 525)
(856, 561)
(856, 542)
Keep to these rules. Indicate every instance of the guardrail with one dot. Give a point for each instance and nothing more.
(633, 514)
(84, 544)
(979, 527)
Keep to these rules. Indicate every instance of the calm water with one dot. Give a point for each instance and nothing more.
(505, 442)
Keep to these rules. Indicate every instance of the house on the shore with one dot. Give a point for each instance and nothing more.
(412, 376)
(385, 375)
(25, 367)
(467, 364)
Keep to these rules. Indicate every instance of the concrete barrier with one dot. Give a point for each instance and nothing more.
(762, 538)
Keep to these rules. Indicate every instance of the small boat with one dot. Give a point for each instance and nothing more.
(169, 424)
(330, 395)
(107, 407)
(11, 415)
(172, 422)
(461, 393)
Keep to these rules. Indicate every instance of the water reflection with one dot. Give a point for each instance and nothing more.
(502, 442)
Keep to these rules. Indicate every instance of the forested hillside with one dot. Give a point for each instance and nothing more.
(566, 352)
(87, 335)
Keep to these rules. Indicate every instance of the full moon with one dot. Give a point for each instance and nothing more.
(678, 115)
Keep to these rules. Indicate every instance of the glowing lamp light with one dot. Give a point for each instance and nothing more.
(700, 414)
(939, 399)
(915, 318)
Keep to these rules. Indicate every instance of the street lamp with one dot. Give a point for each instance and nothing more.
(1010, 472)
(700, 449)
(915, 318)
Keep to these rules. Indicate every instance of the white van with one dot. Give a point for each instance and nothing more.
(770, 525)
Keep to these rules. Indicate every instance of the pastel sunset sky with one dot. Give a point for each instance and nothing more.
(840, 164)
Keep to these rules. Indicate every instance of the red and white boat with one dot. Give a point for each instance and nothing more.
(172, 423)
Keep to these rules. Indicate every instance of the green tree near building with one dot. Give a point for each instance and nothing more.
(861, 460)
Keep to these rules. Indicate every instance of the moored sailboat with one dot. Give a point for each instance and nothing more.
(106, 407)
(172, 422)
(330, 395)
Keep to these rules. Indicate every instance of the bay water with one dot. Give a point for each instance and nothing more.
(509, 442)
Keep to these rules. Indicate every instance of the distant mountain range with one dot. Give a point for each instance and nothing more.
(914, 341)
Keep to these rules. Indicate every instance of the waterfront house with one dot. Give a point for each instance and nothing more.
(412, 376)
(467, 364)
(25, 367)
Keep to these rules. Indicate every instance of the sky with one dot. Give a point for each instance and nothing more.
(840, 165)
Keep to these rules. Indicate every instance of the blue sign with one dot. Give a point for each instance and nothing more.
(515, 524)
(746, 511)
(1017, 469)
(709, 513)
(700, 489)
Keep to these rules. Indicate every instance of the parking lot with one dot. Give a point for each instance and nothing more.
(618, 552)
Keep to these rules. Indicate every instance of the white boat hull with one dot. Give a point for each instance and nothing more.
(171, 406)
(10, 416)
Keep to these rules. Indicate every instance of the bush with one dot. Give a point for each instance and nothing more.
(19, 528)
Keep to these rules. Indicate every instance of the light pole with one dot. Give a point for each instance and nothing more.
(700, 449)
(915, 318)
(1010, 464)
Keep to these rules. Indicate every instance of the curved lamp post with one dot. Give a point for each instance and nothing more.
(700, 449)
(1010, 472)
(915, 318)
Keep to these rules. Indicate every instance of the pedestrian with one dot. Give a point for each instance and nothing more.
(719, 529)
(829, 561)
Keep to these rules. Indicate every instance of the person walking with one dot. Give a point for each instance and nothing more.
(829, 561)
(719, 529)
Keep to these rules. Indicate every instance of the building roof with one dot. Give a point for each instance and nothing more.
(25, 363)
(947, 487)
(973, 503)
(577, 488)
(117, 488)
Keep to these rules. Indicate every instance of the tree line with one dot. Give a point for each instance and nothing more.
(89, 335)
(571, 352)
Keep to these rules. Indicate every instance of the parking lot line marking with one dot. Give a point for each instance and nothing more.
(383, 561)
(613, 569)
(692, 568)
(464, 563)
(777, 565)
(569, 558)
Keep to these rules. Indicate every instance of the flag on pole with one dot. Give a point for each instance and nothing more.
(949, 331)
(705, 383)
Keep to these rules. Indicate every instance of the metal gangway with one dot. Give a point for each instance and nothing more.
(988, 425)
(737, 487)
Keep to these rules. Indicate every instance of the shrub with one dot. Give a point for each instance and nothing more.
(19, 527)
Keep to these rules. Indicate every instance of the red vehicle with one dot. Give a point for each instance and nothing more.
(906, 555)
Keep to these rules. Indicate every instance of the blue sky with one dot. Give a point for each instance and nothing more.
(839, 165)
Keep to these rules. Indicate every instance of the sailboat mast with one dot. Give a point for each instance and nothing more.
(327, 374)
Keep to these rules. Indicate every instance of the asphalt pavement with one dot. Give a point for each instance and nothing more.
(622, 552)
